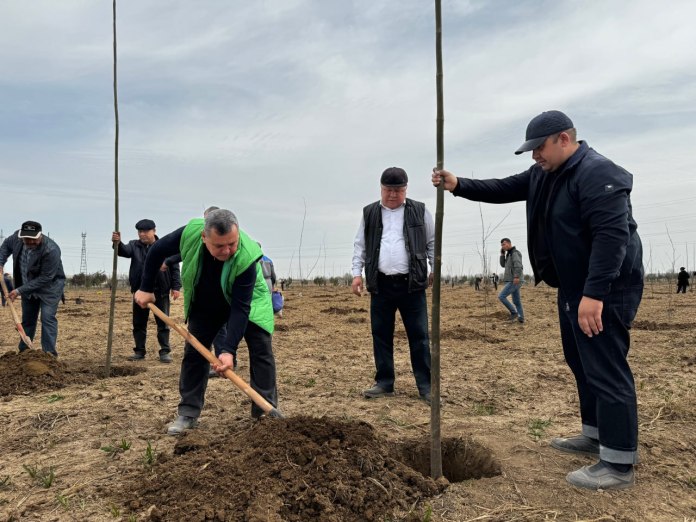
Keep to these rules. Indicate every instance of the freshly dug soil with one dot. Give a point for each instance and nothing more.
(295, 469)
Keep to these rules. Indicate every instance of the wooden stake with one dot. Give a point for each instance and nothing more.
(114, 274)
(435, 442)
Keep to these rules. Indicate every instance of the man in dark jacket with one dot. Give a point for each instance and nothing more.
(511, 261)
(168, 280)
(582, 240)
(682, 280)
(395, 240)
(39, 279)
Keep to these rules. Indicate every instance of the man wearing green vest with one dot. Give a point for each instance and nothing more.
(223, 285)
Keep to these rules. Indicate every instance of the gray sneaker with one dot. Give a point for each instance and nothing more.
(181, 424)
(601, 476)
(377, 391)
(579, 444)
(165, 357)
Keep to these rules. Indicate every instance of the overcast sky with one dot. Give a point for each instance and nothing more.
(280, 108)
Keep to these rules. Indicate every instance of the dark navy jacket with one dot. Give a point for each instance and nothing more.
(589, 228)
(45, 275)
(136, 250)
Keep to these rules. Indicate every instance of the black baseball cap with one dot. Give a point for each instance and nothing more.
(145, 224)
(394, 177)
(30, 230)
(542, 126)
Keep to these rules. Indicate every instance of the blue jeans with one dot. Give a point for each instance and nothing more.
(512, 288)
(394, 295)
(48, 306)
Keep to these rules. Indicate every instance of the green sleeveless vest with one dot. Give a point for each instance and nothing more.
(248, 253)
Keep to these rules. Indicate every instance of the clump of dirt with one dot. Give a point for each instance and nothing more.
(293, 470)
(340, 311)
(35, 370)
(654, 326)
(28, 371)
(462, 333)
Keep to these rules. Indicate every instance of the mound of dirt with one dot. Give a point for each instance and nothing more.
(294, 469)
(28, 371)
(34, 370)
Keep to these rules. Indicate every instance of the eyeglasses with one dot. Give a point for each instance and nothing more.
(394, 190)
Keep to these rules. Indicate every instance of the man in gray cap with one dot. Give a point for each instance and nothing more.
(582, 240)
(168, 280)
(39, 279)
(395, 240)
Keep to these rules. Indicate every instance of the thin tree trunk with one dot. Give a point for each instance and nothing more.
(436, 443)
(114, 275)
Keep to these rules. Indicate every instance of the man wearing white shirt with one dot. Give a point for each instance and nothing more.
(394, 243)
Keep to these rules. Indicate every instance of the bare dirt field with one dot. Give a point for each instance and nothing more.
(77, 446)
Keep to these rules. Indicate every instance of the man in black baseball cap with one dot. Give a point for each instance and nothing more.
(542, 126)
(30, 230)
(581, 239)
(168, 281)
(39, 280)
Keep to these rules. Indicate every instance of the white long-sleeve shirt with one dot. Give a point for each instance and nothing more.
(393, 257)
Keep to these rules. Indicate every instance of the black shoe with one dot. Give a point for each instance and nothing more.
(426, 398)
(137, 356)
(165, 357)
(377, 391)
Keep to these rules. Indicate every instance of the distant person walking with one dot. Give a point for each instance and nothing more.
(582, 239)
(394, 242)
(39, 279)
(511, 261)
(8, 283)
(682, 280)
(168, 281)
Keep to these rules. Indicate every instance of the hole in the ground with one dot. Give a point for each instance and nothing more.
(462, 458)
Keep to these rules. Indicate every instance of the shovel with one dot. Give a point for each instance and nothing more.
(17, 321)
(250, 392)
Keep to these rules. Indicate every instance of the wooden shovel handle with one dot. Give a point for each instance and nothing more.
(17, 320)
(250, 392)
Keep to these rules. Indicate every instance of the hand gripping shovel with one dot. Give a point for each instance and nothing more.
(15, 317)
(262, 403)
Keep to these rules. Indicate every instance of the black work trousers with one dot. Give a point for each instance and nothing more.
(607, 392)
(193, 380)
(140, 319)
(393, 295)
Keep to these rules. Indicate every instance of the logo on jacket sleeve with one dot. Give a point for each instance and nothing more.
(609, 188)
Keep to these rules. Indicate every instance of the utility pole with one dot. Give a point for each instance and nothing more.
(2, 236)
(83, 256)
